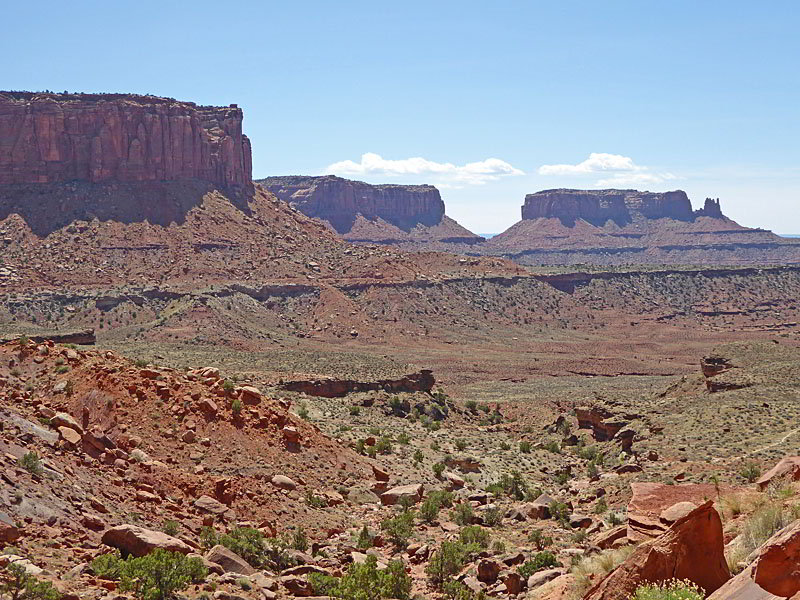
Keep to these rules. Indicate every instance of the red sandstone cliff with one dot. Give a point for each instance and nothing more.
(53, 138)
(628, 226)
(599, 206)
(360, 211)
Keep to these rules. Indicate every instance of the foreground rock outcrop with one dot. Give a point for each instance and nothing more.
(56, 138)
(138, 541)
(422, 381)
(691, 549)
(362, 212)
(775, 572)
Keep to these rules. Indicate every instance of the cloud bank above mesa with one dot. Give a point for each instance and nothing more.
(446, 174)
(607, 170)
(618, 170)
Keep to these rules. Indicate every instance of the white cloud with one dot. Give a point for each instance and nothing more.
(619, 179)
(618, 170)
(475, 173)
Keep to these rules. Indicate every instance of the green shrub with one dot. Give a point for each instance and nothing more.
(553, 447)
(505, 446)
(669, 590)
(399, 528)
(525, 447)
(108, 566)
(539, 539)
(365, 582)
(402, 438)
(160, 574)
(455, 590)
(462, 514)
(251, 545)
(474, 534)
(170, 527)
(751, 472)
(31, 462)
(228, 386)
(236, 406)
(300, 540)
(493, 516)
(541, 561)
(365, 539)
(471, 405)
(302, 412)
(355, 411)
(438, 469)
(513, 485)
(461, 444)
(383, 446)
(429, 509)
(418, 456)
(601, 506)
(559, 511)
(22, 586)
(448, 560)
(315, 501)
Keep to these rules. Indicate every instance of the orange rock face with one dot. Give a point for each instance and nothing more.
(777, 568)
(691, 549)
(54, 138)
(787, 468)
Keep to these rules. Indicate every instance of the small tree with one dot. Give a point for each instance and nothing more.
(399, 528)
(542, 560)
(22, 586)
(30, 462)
(161, 573)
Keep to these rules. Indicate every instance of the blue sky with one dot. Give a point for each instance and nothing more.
(701, 96)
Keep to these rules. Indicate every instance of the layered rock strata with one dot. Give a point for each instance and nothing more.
(100, 138)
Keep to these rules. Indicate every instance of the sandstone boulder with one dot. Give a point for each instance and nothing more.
(283, 482)
(650, 501)
(137, 541)
(69, 435)
(787, 468)
(692, 548)
(539, 508)
(412, 491)
(229, 561)
(777, 566)
(211, 505)
(488, 570)
(250, 395)
(62, 419)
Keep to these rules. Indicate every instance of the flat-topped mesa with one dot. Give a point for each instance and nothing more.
(621, 206)
(339, 201)
(101, 138)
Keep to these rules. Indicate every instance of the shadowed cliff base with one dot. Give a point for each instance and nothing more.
(48, 207)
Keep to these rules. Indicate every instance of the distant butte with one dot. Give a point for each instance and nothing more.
(361, 212)
(613, 227)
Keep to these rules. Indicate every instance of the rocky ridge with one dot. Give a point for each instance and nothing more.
(361, 212)
(612, 227)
